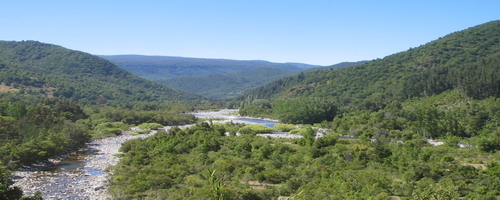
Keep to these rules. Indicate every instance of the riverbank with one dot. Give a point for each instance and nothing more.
(85, 178)
(227, 114)
(86, 175)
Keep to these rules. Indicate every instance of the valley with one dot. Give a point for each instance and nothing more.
(417, 124)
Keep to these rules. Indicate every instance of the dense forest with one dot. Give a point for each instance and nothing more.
(226, 85)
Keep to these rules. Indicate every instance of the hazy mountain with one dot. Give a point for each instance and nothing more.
(163, 67)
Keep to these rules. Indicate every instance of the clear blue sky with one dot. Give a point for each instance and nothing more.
(309, 31)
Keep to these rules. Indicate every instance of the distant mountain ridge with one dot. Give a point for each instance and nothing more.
(212, 78)
(38, 69)
(163, 67)
(226, 85)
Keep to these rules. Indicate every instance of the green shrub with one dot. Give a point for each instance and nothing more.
(111, 131)
(285, 127)
(150, 126)
(143, 131)
(299, 131)
(108, 129)
(255, 128)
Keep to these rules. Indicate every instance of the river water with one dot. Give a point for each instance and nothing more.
(230, 115)
(85, 175)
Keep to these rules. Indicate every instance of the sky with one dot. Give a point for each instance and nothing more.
(322, 32)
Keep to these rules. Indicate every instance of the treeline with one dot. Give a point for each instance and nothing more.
(200, 162)
(165, 117)
(300, 110)
(33, 134)
(30, 134)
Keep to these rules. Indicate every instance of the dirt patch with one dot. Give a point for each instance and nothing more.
(258, 185)
(476, 165)
(5, 88)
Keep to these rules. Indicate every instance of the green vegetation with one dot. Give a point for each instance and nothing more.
(284, 127)
(226, 85)
(108, 129)
(466, 61)
(31, 134)
(200, 162)
(35, 133)
(51, 127)
(150, 126)
(8, 192)
(168, 116)
(231, 85)
(32, 69)
(146, 128)
(255, 129)
(54, 100)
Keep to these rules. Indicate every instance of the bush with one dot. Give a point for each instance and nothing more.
(152, 126)
(143, 131)
(108, 129)
(255, 128)
(285, 127)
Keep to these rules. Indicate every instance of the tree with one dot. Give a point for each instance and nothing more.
(16, 110)
(7, 191)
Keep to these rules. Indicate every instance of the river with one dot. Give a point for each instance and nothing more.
(85, 175)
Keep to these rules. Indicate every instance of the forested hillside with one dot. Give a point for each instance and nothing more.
(34, 69)
(234, 84)
(467, 61)
(226, 85)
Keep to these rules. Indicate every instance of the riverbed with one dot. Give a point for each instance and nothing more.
(85, 175)
(228, 115)
(80, 176)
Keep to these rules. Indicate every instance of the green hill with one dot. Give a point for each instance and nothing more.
(467, 61)
(33, 69)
